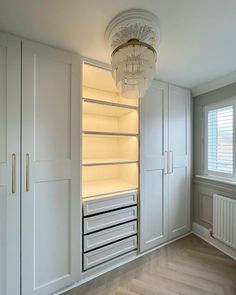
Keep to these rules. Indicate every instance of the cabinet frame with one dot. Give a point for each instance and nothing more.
(10, 166)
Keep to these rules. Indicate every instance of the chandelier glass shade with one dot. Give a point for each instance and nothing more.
(133, 67)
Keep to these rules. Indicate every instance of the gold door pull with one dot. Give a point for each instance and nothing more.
(166, 162)
(171, 162)
(27, 172)
(13, 175)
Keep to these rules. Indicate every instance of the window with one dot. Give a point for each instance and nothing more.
(219, 150)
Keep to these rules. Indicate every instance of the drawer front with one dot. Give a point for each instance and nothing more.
(107, 236)
(107, 203)
(106, 253)
(105, 220)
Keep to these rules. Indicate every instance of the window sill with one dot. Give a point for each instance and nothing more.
(215, 179)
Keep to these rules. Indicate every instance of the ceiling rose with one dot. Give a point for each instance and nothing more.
(133, 36)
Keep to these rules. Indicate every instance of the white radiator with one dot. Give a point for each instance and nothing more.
(224, 220)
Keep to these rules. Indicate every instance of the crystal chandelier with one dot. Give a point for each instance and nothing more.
(133, 36)
(133, 67)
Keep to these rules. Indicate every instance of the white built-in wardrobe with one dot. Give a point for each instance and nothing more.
(39, 167)
(41, 208)
(165, 158)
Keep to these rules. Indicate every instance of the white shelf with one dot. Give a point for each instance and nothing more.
(110, 136)
(109, 161)
(110, 103)
(86, 132)
(108, 110)
(103, 187)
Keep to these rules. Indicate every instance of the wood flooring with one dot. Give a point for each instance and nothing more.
(188, 266)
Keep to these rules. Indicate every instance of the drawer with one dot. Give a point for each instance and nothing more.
(106, 203)
(106, 253)
(102, 221)
(109, 235)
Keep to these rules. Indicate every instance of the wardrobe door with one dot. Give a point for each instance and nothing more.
(153, 165)
(10, 70)
(51, 169)
(179, 161)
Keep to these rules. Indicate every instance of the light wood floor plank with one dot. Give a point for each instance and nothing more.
(190, 280)
(122, 291)
(142, 288)
(175, 286)
(202, 273)
(188, 266)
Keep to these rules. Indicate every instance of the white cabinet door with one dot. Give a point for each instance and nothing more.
(10, 70)
(180, 161)
(50, 169)
(153, 181)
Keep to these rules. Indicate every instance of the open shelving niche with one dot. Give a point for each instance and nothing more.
(110, 136)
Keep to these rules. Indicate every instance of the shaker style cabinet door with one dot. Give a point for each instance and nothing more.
(50, 169)
(10, 71)
(179, 161)
(153, 161)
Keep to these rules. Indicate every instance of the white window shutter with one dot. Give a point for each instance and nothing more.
(220, 140)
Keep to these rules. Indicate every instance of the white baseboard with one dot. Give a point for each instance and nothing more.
(204, 234)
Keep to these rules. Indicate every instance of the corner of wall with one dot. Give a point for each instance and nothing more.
(204, 234)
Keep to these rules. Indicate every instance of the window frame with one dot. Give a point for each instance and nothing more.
(207, 108)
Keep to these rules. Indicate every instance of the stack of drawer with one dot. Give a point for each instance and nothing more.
(109, 227)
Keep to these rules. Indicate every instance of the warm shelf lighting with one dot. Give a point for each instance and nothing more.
(110, 136)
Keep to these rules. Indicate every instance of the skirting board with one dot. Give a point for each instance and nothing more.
(83, 281)
(204, 234)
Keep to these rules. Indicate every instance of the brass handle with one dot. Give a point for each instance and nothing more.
(171, 162)
(13, 175)
(27, 172)
(166, 162)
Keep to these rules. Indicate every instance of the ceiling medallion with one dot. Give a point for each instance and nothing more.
(133, 37)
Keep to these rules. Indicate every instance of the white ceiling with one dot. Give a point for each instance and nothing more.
(198, 36)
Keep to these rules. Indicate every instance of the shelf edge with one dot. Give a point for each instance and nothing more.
(110, 193)
(108, 133)
(114, 104)
(110, 163)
